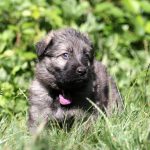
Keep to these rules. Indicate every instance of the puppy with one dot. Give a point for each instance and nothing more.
(66, 76)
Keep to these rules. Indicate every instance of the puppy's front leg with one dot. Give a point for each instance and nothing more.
(38, 115)
(40, 102)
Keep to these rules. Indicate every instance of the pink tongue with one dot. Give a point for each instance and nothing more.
(64, 101)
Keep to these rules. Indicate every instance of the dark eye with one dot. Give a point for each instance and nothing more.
(65, 56)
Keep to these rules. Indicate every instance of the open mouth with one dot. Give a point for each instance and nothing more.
(64, 98)
(64, 101)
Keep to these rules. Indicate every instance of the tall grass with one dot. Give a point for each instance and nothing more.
(129, 130)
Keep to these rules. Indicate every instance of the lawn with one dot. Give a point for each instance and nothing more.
(127, 130)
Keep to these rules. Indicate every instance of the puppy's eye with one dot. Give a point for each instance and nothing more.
(65, 56)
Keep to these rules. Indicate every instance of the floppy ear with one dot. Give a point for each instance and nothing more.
(42, 45)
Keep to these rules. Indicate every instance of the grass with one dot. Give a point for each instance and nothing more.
(129, 130)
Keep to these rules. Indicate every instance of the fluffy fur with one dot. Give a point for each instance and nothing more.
(66, 66)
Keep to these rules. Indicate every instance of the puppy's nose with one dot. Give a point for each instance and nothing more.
(81, 70)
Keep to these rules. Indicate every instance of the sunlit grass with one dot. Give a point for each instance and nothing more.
(127, 130)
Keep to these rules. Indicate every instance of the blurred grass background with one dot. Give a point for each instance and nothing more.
(119, 29)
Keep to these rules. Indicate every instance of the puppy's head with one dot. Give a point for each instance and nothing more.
(67, 57)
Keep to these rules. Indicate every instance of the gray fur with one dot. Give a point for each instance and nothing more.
(54, 74)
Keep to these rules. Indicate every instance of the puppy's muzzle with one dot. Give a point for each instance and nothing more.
(81, 71)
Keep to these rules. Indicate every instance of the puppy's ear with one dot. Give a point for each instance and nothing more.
(90, 43)
(42, 45)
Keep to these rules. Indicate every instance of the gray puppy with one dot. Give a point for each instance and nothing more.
(66, 76)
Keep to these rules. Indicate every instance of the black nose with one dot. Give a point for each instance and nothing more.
(81, 70)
